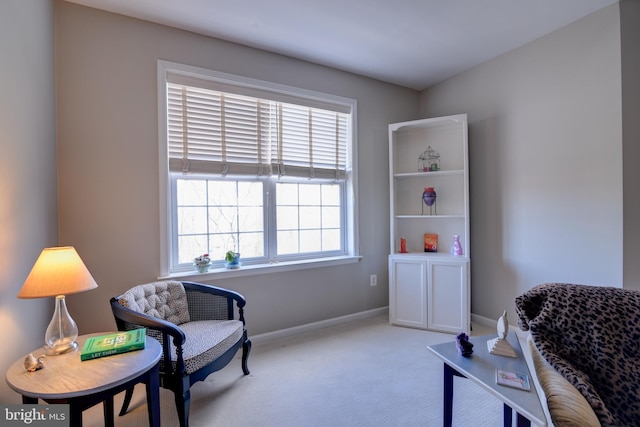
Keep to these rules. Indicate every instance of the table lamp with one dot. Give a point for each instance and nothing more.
(58, 272)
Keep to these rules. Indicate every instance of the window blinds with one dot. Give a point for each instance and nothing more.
(231, 133)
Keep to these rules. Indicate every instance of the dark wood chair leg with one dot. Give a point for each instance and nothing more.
(183, 403)
(246, 348)
(127, 400)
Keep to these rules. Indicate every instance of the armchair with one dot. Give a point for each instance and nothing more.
(196, 327)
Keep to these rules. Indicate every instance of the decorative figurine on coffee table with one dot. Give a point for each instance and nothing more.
(500, 346)
(465, 347)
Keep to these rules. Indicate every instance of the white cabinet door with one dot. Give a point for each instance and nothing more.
(448, 295)
(408, 291)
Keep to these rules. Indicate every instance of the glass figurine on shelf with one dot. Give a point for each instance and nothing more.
(456, 247)
(429, 160)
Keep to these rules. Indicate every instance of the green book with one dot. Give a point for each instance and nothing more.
(115, 343)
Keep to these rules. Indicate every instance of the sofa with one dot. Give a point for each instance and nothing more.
(585, 347)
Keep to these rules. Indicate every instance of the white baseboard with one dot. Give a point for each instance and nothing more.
(282, 333)
(484, 321)
(268, 336)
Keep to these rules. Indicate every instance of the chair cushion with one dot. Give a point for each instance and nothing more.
(206, 340)
(162, 300)
(567, 406)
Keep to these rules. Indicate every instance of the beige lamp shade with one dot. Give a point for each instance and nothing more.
(57, 271)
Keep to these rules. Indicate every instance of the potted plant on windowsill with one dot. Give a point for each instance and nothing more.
(202, 263)
(232, 260)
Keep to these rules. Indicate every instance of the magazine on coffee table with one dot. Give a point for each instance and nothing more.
(513, 379)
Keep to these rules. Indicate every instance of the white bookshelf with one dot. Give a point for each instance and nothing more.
(429, 290)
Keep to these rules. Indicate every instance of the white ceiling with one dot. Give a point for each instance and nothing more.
(413, 43)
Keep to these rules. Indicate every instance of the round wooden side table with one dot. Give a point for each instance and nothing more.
(83, 384)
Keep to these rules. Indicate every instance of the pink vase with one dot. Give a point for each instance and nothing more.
(456, 247)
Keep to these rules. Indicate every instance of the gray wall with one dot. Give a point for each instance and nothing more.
(28, 219)
(545, 144)
(108, 165)
(630, 40)
(548, 129)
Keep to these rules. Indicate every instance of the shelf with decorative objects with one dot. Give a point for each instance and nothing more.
(429, 257)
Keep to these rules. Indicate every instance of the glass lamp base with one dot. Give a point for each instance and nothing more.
(62, 332)
(60, 349)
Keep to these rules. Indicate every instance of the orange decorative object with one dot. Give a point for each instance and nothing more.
(431, 243)
(403, 246)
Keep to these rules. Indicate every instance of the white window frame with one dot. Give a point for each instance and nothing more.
(166, 205)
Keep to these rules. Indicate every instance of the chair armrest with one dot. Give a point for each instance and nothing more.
(124, 316)
(209, 308)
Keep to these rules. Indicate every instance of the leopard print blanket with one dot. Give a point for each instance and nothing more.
(590, 335)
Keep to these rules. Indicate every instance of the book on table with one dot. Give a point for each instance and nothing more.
(114, 343)
(512, 379)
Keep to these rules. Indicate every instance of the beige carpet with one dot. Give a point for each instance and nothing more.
(361, 373)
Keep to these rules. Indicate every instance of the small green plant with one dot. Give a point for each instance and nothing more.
(230, 256)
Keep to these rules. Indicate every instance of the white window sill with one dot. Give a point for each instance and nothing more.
(254, 270)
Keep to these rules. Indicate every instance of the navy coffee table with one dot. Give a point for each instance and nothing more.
(481, 369)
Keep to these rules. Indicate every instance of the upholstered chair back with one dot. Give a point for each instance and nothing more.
(163, 300)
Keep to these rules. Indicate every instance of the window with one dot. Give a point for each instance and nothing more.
(257, 168)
